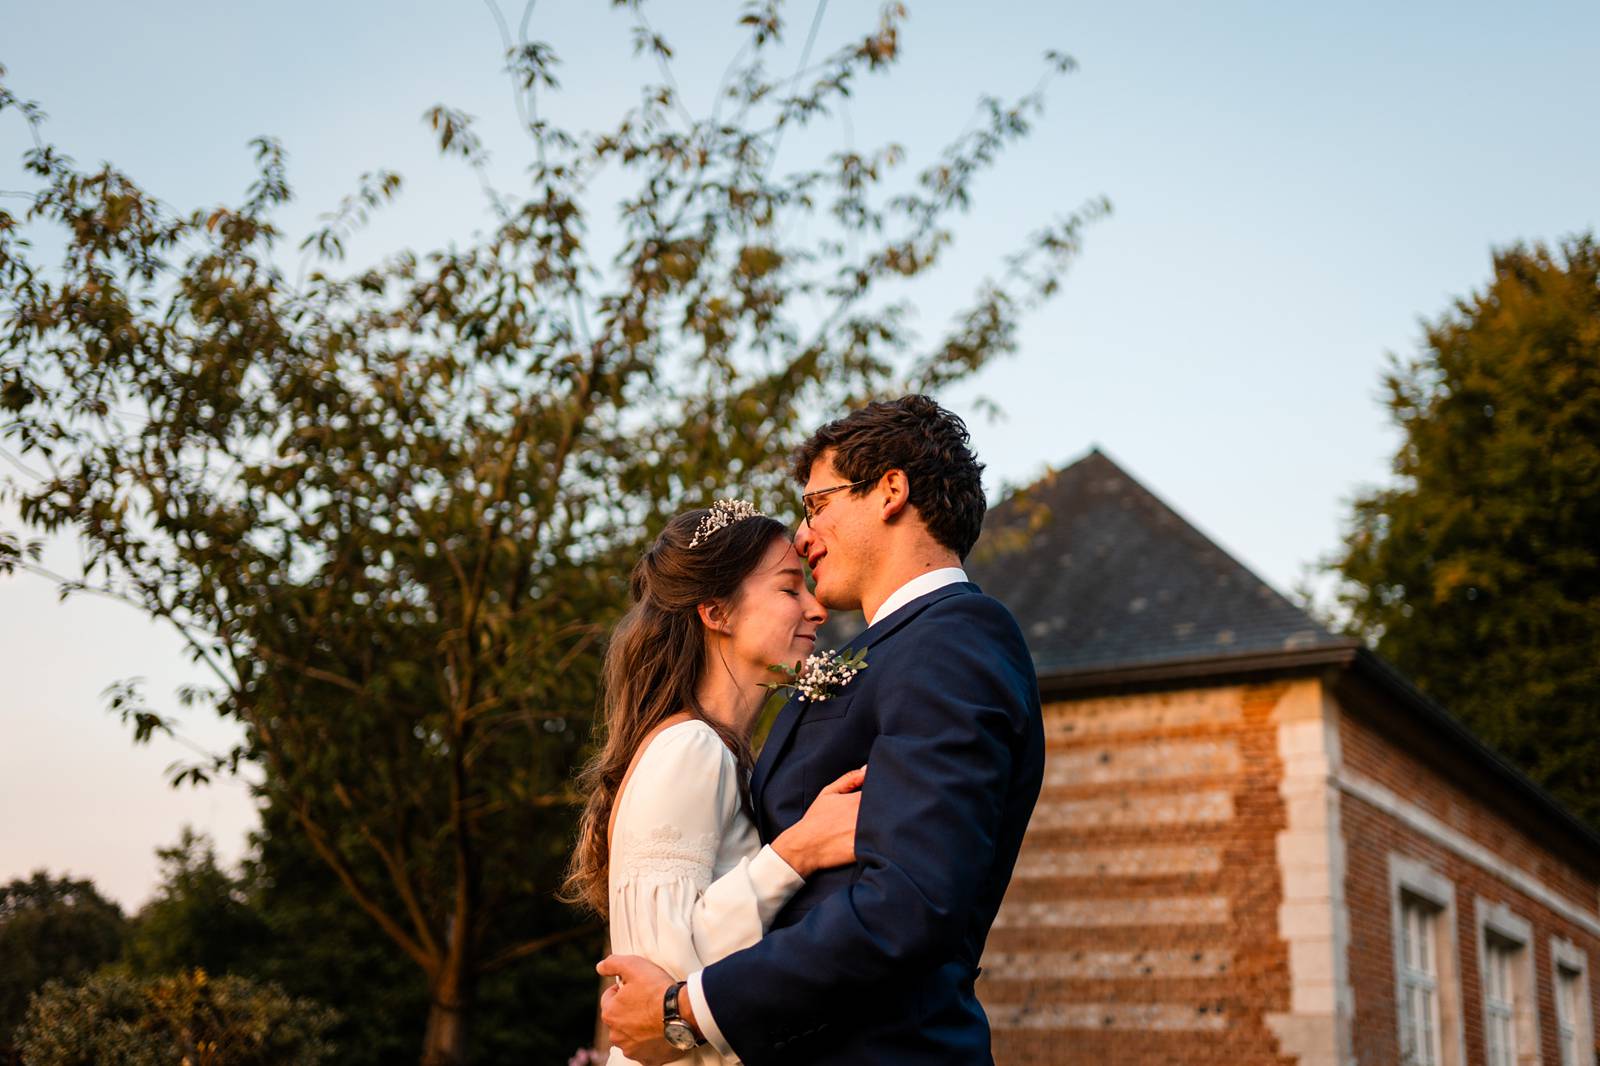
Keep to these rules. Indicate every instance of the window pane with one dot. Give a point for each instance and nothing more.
(1567, 1007)
(1500, 1052)
(1428, 1028)
(1417, 997)
(1499, 1006)
(1425, 941)
(1408, 1039)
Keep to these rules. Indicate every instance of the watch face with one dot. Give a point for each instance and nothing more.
(680, 1036)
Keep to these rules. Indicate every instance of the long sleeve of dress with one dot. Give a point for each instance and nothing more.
(678, 819)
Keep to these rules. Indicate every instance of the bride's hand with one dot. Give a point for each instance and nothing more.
(826, 836)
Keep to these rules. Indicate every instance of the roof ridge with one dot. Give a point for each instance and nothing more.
(1102, 573)
(1190, 526)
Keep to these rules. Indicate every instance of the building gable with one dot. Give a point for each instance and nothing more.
(1102, 574)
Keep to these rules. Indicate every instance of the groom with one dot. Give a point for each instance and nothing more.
(876, 963)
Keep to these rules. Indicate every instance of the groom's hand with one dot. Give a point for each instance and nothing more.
(632, 1010)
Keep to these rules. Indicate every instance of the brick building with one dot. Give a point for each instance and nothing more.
(1257, 843)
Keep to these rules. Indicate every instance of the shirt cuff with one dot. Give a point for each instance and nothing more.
(702, 1013)
(774, 881)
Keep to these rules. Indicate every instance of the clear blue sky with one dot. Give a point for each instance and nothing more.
(1295, 186)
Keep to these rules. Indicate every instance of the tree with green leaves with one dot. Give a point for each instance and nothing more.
(186, 1018)
(1478, 572)
(391, 510)
(321, 946)
(51, 928)
(200, 918)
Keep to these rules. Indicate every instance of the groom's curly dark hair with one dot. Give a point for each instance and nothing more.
(918, 436)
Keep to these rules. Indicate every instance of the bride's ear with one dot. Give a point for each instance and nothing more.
(714, 616)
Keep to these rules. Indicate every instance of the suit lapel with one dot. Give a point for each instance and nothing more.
(784, 725)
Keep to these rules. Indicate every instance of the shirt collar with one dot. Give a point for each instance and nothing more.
(920, 585)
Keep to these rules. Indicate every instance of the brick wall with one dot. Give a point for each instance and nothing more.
(1423, 806)
(1142, 924)
(1209, 878)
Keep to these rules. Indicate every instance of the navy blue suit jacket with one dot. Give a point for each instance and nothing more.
(875, 963)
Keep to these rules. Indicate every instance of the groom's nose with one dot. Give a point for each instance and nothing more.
(802, 539)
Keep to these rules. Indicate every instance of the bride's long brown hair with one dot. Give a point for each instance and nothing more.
(654, 664)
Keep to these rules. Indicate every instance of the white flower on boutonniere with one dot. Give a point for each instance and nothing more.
(820, 675)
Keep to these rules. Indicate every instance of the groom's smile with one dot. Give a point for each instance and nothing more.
(813, 561)
(843, 525)
(828, 501)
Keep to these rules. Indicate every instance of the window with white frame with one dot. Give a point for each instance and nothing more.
(1567, 1006)
(1428, 1009)
(1419, 982)
(1500, 1000)
(1574, 1026)
(1505, 971)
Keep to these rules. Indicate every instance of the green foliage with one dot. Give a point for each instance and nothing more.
(14, 550)
(322, 946)
(201, 917)
(114, 1019)
(51, 928)
(1478, 574)
(391, 511)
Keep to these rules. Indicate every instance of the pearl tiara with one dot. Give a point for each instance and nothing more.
(723, 513)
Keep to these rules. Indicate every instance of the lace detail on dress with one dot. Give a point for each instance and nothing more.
(666, 852)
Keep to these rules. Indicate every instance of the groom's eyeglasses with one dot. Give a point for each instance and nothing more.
(814, 502)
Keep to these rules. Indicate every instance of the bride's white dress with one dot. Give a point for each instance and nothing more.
(689, 881)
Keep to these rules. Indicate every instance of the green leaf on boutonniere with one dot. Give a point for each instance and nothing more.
(820, 675)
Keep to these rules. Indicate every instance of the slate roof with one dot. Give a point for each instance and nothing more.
(1101, 574)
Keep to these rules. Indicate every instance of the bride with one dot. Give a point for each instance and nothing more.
(667, 849)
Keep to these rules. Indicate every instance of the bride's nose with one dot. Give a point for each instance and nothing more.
(815, 612)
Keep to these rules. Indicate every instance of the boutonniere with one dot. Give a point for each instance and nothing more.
(820, 675)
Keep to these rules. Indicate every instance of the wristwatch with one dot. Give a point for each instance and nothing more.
(678, 1032)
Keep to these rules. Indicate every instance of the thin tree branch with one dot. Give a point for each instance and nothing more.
(805, 54)
(313, 672)
(159, 611)
(538, 944)
(402, 883)
(314, 833)
(662, 64)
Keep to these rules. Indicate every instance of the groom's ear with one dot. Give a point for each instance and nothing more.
(896, 487)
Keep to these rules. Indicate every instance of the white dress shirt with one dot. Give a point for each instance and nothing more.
(918, 586)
